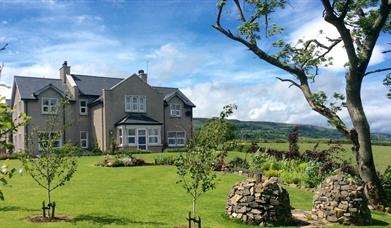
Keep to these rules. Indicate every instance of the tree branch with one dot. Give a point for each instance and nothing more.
(328, 49)
(373, 35)
(4, 47)
(377, 71)
(289, 80)
(240, 11)
(344, 10)
(299, 73)
(343, 31)
(253, 47)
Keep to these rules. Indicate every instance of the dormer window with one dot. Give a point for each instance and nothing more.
(49, 105)
(175, 110)
(83, 107)
(135, 103)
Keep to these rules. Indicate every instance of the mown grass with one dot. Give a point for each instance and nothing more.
(127, 197)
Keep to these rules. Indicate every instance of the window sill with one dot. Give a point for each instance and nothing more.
(155, 144)
(127, 111)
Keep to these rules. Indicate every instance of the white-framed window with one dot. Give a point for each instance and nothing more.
(46, 137)
(135, 103)
(131, 136)
(153, 136)
(84, 139)
(83, 107)
(176, 110)
(176, 138)
(49, 105)
(120, 136)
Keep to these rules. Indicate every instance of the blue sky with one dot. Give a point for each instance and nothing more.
(117, 38)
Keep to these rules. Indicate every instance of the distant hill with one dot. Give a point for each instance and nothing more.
(261, 130)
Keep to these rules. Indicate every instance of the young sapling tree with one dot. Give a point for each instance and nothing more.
(49, 165)
(195, 168)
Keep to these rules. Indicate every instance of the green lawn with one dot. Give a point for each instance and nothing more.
(126, 197)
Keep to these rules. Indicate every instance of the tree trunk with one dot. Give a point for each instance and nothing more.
(194, 207)
(361, 139)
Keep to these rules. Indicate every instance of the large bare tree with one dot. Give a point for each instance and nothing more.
(359, 24)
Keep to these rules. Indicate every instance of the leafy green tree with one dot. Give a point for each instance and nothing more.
(6, 174)
(7, 127)
(359, 24)
(50, 167)
(195, 167)
(217, 130)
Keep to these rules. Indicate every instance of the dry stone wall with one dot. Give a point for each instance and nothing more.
(340, 200)
(264, 203)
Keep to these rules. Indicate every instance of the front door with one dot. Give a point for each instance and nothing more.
(142, 139)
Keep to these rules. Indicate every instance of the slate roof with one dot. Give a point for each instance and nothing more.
(30, 85)
(135, 119)
(93, 85)
(171, 92)
(88, 86)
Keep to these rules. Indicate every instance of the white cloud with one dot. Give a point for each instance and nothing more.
(171, 60)
(274, 101)
(310, 30)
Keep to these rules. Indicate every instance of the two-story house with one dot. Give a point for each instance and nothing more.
(101, 109)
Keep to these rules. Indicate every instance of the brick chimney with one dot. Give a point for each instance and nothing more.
(64, 70)
(143, 75)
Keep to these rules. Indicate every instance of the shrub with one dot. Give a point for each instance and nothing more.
(5, 156)
(272, 173)
(175, 150)
(253, 148)
(117, 161)
(275, 165)
(293, 176)
(257, 160)
(96, 151)
(386, 177)
(293, 139)
(230, 146)
(238, 163)
(303, 166)
(313, 174)
(165, 160)
(245, 148)
(71, 149)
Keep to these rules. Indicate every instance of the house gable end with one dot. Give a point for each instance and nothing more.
(50, 86)
(179, 95)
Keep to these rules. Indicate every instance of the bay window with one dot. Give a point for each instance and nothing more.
(153, 136)
(131, 135)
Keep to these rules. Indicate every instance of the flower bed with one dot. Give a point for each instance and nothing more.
(121, 161)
